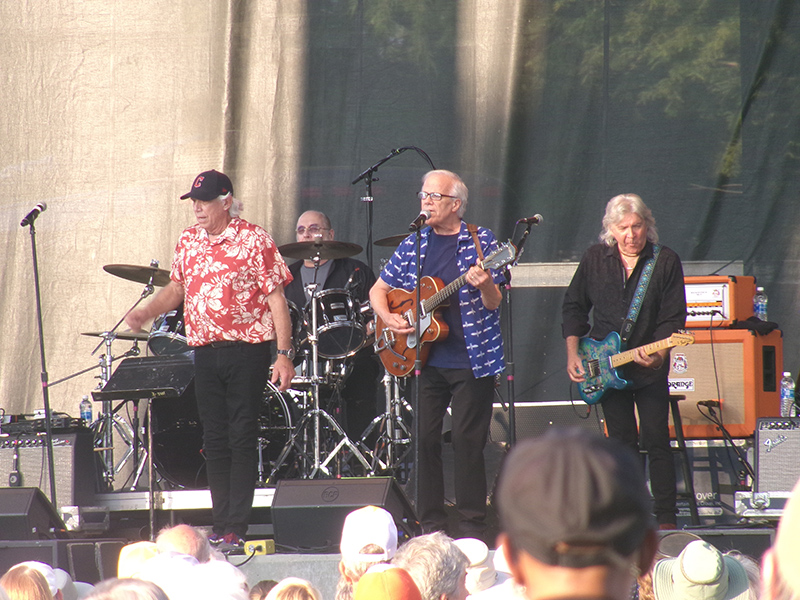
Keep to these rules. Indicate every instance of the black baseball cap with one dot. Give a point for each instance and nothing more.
(210, 185)
(573, 498)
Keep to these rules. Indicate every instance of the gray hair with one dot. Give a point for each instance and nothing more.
(435, 564)
(459, 188)
(620, 207)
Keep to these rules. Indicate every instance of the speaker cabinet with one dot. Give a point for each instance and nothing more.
(735, 366)
(309, 513)
(73, 458)
(536, 418)
(85, 560)
(717, 474)
(25, 514)
(777, 454)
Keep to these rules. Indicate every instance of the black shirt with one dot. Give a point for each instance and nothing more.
(599, 286)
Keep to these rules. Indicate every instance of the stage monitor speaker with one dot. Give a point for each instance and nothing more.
(737, 367)
(25, 514)
(777, 454)
(308, 514)
(73, 458)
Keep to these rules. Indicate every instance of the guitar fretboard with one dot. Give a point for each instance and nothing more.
(624, 358)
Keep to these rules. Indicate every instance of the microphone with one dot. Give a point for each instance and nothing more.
(349, 283)
(534, 220)
(31, 216)
(708, 403)
(420, 220)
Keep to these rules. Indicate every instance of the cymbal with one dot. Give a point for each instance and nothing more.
(327, 249)
(139, 274)
(391, 241)
(141, 336)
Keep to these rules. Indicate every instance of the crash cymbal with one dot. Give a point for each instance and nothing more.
(392, 241)
(139, 274)
(327, 249)
(141, 336)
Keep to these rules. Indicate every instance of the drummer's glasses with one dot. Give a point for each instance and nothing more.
(435, 196)
(312, 229)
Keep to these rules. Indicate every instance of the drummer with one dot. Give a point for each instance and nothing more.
(361, 386)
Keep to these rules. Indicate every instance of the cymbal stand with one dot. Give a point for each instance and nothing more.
(316, 413)
(107, 415)
(394, 437)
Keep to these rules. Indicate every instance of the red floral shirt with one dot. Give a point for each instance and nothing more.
(226, 283)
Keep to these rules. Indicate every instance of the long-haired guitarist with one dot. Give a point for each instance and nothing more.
(460, 368)
(605, 284)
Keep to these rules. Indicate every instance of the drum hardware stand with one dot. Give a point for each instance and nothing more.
(316, 413)
(394, 437)
(107, 441)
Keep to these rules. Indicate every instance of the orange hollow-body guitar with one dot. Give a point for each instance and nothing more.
(397, 351)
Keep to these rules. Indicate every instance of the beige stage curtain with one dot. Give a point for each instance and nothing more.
(109, 110)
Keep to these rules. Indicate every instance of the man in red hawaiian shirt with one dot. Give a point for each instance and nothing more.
(230, 276)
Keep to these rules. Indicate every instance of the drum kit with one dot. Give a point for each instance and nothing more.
(299, 437)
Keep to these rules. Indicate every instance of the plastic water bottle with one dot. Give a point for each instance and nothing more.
(760, 304)
(787, 395)
(86, 410)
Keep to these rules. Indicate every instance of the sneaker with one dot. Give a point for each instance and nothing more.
(215, 539)
(231, 544)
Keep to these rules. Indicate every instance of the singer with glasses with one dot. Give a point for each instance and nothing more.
(460, 370)
(606, 284)
(360, 390)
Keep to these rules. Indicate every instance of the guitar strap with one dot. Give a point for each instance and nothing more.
(473, 229)
(638, 297)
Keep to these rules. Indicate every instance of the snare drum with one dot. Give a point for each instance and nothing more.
(168, 334)
(340, 332)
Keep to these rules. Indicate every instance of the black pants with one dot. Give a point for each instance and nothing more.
(229, 384)
(652, 404)
(471, 404)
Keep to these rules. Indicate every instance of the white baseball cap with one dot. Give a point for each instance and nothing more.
(365, 526)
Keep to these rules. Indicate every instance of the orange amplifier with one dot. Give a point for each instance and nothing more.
(718, 301)
(736, 367)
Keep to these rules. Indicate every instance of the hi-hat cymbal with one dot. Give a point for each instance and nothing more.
(139, 274)
(141, 336)
(392, 241)
(326, 249)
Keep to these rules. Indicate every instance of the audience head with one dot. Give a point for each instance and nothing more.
(387, 582)
(780, 565)
(436, 565)
(133, 556)
(572, 499)
(184, 539)
(669, 546)
(260, 590)
(481, 574)
(700, 572)
(294, 588)
(369, 536)
(127, 589)
(24, 582)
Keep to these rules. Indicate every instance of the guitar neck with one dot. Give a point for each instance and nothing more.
(432, 303)
(623, 358)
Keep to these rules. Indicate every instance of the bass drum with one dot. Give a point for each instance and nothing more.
(178, 440)
(178, 434)
(279, 414)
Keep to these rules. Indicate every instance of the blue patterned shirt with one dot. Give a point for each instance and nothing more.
(481, 326)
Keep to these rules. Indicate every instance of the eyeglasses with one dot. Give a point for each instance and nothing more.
(312, 229)
(435, 196)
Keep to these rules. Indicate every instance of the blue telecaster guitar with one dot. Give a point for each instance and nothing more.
(602, 358)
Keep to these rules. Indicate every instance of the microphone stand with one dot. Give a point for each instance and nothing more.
(368, 177)
(510, 365)
(417, 365)
(45, 392)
